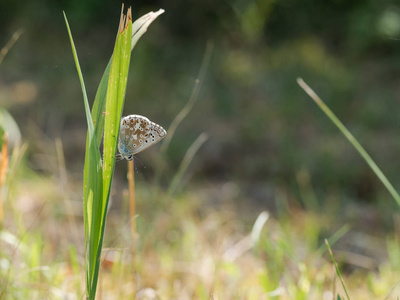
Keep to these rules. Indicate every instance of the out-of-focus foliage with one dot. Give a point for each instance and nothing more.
(268, 145)
(262, 127)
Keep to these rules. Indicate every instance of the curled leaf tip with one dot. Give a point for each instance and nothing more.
(140, 26)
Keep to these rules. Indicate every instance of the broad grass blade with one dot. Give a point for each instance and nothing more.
(105, 117)
(114, 105)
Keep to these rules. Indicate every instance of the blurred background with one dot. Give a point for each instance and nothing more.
(269, 146)
(264, 131)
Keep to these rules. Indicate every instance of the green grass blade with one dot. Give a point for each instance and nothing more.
(139, 27)
(115, 101)
(337, 268)
(92, 187)
(86, 102)
(99, 105)
(351, 139)
(94, 213)
(114, 105)
(334, 238)
(105, 117)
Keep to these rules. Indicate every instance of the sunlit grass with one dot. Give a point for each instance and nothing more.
(392, 246)
(104, 121)
(189, 250)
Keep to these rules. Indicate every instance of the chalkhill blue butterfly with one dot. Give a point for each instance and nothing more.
(137, 133)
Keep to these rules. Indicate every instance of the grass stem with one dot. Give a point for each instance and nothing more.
(337, 268)
(190, 153)
(10, 44)
(132, 209)
(351, 139)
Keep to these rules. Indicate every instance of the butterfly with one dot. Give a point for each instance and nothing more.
(137, 133)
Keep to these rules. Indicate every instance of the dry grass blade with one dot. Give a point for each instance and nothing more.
(192, 100)
(64, 186)
(186, 161)
(132, 209)
(10, 43)
(247, 243)
(185, 110)
(139, 27)
(391, 291)
(14, 160)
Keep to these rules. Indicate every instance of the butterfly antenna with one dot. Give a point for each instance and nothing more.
(142, 165)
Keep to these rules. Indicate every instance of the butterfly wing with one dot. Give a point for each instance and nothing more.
(137, 133)
(157, 133)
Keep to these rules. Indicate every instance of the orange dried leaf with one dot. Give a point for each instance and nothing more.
(4, 160)
(3, 173)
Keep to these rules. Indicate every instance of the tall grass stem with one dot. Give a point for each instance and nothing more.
(10, 44)
(190, 153)
(351, 139)
(185, 110)
(64, 186)
(132, 204)
(192, 100)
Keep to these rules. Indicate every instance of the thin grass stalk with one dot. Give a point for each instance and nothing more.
(190, 153)
(351, 139)
(337, 268)
(16, 156)
(132, 208)
(392, 290)
(10, 44)
(337, 235)
(64, 184)
(186, 109)
(192, 100)
(306, 190)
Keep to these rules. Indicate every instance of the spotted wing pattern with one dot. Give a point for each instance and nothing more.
(136, 134)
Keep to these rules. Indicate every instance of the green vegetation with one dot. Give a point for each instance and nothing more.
(351, 139)
(107, 113)
(252, 195)
(187, 248)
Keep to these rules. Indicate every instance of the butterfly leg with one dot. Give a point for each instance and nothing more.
(118, 157)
